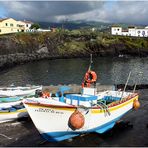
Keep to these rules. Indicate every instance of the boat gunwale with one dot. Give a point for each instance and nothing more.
(13, 112)
(116, 103)
(19, 88)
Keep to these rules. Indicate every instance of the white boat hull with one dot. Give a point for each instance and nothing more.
(9, 104)
(10, 116)
(52, 120)
(19, 91)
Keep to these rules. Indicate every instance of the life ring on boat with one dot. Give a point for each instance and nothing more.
(76, 120)
(46, 95)
(90, 77)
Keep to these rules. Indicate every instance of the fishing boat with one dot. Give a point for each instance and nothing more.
(63, 116)
(19, 90)
(11, 111)
(9, 99)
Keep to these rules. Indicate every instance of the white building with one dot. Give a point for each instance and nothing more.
(131, 31)
(116, 30)
(27, 25)
(43, 30)
(10, 25)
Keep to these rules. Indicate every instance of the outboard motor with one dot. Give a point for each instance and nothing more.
(38, 93)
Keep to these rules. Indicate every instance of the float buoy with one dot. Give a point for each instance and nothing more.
(76, 120)
(46, 95)
(136, 104)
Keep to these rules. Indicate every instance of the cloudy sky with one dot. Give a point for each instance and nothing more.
(132, 12)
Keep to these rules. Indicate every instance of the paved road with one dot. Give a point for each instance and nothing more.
(24, 133)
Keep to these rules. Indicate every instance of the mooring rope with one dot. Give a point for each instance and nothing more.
(104, 106)
(5, 136)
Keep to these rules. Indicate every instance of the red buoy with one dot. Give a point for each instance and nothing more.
(76, 120)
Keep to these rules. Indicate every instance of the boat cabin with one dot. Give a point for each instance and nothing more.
(86, 98)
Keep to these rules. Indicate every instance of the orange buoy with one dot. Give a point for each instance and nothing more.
(136, 104)
(46, 95)
(76, 120)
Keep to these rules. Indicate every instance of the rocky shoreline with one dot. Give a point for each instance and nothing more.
(21, 48)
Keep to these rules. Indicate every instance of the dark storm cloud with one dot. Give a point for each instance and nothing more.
(48, 10)
(134, 12)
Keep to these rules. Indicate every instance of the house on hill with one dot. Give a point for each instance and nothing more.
(27, 25)
(10, 25)
(130, 31)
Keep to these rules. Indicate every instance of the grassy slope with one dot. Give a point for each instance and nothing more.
(73, 43)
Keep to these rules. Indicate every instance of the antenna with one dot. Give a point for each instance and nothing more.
(91, 61)
(140, 76)
(126, 84)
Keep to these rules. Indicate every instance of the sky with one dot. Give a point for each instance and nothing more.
(129, 12)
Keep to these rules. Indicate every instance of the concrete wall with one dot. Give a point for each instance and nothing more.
(125, 33)
(132, 31)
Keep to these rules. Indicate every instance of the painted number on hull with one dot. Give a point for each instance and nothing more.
(48, 111)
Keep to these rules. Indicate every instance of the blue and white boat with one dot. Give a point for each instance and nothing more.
(11, 111)
(63, 117)
(9, 99)
(19, 90)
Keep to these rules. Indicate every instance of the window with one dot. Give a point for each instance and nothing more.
(6, 24)
(118, 29)
(114, 29)
(11, 25)
(26, 25)
(11, 29)
(17, 30)
(143, 33)
(0, 30)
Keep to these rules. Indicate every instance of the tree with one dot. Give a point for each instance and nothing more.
(35, 26)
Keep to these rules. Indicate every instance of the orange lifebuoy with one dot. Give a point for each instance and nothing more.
(90, 77)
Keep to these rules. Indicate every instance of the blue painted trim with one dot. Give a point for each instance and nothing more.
(59, 136)
(111, 98)
(9, 99)
(81, 98)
